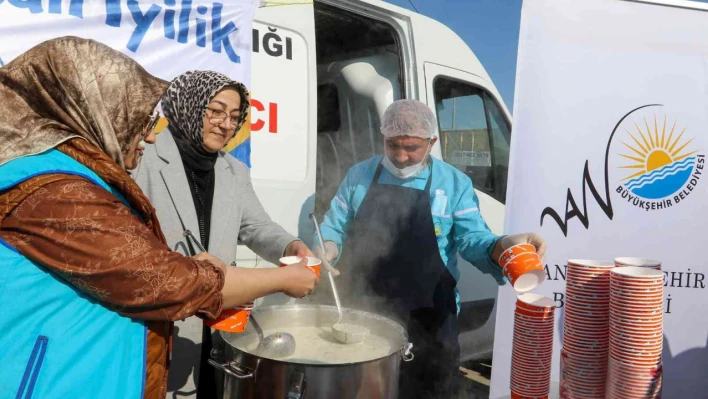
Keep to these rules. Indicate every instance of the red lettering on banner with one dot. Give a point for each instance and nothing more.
(257, 125)
(272, 116)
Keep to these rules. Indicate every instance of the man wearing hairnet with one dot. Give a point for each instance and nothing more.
(398, 221)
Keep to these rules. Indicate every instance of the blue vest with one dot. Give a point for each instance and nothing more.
(56, 341)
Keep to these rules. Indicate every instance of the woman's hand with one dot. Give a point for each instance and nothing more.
(298, 248)
(298, 280)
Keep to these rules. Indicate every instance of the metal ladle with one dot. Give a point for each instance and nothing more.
(277, 345)
(346, 333)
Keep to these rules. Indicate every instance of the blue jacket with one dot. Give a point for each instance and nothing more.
(55, 341)
(458, 223)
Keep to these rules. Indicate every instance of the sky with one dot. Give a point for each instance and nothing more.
(489, 27)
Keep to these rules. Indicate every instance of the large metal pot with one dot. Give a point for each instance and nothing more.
(252, 376)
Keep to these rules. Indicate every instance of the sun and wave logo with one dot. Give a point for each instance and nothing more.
(662, 168)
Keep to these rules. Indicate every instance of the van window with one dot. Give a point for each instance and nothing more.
(474, 135)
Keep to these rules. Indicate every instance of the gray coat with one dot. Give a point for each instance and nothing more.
(237, 215)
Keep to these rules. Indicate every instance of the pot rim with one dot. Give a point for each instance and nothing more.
(405, 346)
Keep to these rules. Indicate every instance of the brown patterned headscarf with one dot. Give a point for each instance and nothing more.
(72, 87)
(85, 99)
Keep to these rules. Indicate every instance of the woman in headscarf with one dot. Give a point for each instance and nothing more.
(196, 186)
(87, 284)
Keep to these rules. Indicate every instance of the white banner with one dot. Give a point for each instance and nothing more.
(608, 159)
(166, 37)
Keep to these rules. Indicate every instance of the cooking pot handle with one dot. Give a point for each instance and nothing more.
(406, 353)
(233, 369)
(297, 386)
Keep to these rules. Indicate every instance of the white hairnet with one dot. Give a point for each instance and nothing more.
(408, 118)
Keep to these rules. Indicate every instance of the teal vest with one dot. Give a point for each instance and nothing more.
(56, 341)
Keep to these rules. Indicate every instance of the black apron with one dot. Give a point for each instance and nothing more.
(391, 265)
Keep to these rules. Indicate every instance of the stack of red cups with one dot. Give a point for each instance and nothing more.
(532, 347)
(585, 329)
(636, 333)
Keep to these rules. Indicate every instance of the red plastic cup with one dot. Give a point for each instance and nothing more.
(232, 320)
(312, 263)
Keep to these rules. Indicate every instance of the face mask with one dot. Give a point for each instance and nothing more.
(407, 172)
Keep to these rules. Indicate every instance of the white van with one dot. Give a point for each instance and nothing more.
(322, 76)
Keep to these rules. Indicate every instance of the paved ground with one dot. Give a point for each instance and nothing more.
(475, 380)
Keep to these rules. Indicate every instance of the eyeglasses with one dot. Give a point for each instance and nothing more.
(154, 118)
(218, 117)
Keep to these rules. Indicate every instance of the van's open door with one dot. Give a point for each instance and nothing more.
(474, 137)
(284, 117)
